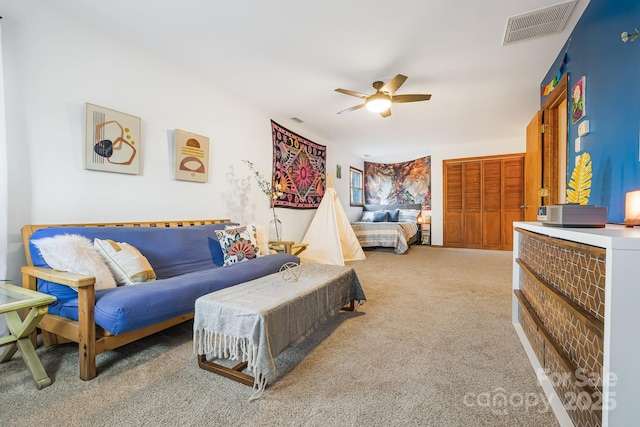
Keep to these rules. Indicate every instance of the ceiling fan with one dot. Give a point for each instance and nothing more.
(380, 102)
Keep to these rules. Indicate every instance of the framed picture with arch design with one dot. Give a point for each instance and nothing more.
(191, 156)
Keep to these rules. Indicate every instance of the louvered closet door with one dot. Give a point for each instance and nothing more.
(513, 198)
(453, 225)
(472, 203)
(492, 204)
(482, 198)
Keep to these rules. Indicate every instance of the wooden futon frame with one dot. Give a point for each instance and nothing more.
(92, 339)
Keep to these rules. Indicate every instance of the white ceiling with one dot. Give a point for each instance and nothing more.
(287, 57)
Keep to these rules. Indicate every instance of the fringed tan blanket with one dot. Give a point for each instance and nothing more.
(254, 321)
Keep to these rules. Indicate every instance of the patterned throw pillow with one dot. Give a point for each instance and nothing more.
(238, 243)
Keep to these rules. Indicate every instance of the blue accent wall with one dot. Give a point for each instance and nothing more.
(612, 70)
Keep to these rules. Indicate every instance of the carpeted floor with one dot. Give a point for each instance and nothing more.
(433, 346)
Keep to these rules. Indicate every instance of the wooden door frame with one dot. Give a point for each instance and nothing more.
(533, 168)
(550, 141)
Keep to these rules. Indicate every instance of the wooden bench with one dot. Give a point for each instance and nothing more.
(254, 321)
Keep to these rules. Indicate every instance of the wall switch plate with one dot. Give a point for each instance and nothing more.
(583, 128)
(578, 144)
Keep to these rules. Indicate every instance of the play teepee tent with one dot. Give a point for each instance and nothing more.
(330, 236)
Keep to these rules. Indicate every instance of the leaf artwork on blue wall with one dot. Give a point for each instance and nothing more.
(580, 184)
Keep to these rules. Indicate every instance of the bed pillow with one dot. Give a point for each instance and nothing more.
(128, 265)
(394, 215)
(367, 216)
(408, 215)
(74, 253)
(238, 244)
(381, 216)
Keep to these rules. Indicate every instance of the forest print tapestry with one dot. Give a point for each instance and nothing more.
(299, 166)
(398, 183)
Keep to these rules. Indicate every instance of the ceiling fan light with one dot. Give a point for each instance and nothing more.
(378, 105)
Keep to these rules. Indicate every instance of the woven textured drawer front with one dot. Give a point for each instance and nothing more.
(530, 329)
(584, 407)
(579, 343)
(575, 270)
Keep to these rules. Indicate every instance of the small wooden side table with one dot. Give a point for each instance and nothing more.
(288, 247)
(12, 299)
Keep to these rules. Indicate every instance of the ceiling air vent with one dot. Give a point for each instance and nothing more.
(297, 119)
(538, 23)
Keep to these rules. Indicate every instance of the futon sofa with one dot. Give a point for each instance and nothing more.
(186, 258)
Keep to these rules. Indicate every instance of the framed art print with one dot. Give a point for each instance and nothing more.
(578, 100)
(191, 156)
(112, 140)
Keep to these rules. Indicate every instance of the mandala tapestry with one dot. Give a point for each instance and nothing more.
(299, 166)
(398, 183)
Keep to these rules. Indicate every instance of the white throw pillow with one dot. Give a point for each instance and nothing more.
(263, 240)
(408, 215)
(126, 262)
(367, 216)
(74, 253)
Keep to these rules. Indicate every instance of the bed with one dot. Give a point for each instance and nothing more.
(388, 226)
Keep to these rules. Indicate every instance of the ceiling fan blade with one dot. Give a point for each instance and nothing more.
(357, 107)
(352, 93)
(410, 98)
(386, 113)
(392, 85)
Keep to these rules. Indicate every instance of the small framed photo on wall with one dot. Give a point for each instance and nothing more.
(191, 156)
(578, 100)
(112, 140)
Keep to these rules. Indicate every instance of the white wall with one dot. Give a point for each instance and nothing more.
(438, 154)
(4, 205)
(55, 63)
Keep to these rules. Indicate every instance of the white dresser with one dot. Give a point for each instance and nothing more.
(576, 309)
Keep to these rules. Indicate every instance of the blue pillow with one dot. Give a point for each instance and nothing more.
(394, 215)
(381, 216)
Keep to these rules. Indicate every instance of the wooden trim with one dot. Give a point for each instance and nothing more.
(28, 230)
(61, 277)
(555, 97)
(595, 251)
(475, 159)
(583, 316)
(551, 141)
(110, 342)
(87, 332)
(234, 373)
(60, 327)
(351, 187)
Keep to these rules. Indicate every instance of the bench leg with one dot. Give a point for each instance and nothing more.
(350, 307)
(234, 373)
